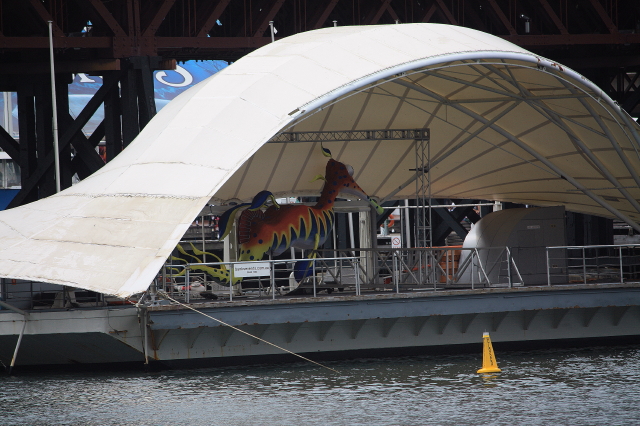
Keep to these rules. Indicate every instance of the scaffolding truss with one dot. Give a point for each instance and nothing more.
(422, 137)
(423, 234)
(351, 135)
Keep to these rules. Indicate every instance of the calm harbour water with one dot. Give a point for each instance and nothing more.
(594, 386)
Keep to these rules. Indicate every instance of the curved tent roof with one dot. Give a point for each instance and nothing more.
(505, 125)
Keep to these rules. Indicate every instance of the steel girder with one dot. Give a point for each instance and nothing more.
(204, 29)
(127, 96)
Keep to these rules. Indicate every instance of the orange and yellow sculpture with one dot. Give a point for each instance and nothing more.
(280, 227)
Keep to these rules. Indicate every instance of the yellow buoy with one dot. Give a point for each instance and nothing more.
(489, 363)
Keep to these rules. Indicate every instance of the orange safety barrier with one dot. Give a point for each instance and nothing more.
(450, 262)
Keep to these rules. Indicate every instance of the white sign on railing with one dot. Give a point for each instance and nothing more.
(252, 269)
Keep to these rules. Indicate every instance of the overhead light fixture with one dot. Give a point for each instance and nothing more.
(527, 23)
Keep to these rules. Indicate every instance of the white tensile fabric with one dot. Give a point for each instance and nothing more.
(505, 125)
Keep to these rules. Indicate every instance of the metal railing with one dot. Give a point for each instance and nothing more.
(349, 270)
(360, 270)
(593, 264)
(30, 295)
(437, 267)
(183, 281)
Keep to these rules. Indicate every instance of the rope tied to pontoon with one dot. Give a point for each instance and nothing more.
(166, 296)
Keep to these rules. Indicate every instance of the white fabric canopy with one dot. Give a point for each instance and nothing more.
(505, 125)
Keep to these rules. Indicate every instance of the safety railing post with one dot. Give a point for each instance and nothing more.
(446, 265)
(473, 253)
(314, 278)
(272, 279)
(548, 268)
(620, 258)
(356, 270)
(171, 280)
(432, 268)
(515, 266)
(509, 267)
(186, 285)
(230, 282)
(396, 277)
(584, 266)
(486, 277)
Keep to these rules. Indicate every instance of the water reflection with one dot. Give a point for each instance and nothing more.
(588, 386)
(489, 380)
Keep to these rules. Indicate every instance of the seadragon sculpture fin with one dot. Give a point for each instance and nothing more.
(259, 201)
(225, 224)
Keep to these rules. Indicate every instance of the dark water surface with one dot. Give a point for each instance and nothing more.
(596, 386)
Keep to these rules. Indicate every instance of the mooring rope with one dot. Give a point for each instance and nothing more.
(166, 296)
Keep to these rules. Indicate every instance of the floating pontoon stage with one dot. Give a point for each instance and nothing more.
(327, 327)
(396, 312)
(504, 124)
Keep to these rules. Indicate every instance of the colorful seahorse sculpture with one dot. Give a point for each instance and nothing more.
(221, 272)
(280, 227)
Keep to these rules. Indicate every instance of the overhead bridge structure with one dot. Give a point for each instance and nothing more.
(505, 124)
(125, 41)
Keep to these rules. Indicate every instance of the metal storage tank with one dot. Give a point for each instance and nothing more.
(526, 232)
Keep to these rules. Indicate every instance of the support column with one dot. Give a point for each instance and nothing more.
(27, 130)
(129, 104)
(146, 95)
(62, 103)
(342, 232)
(230, 254)
(423, 231)
(44, 134)
(112, 122)
(367, 259)
(129, 107)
